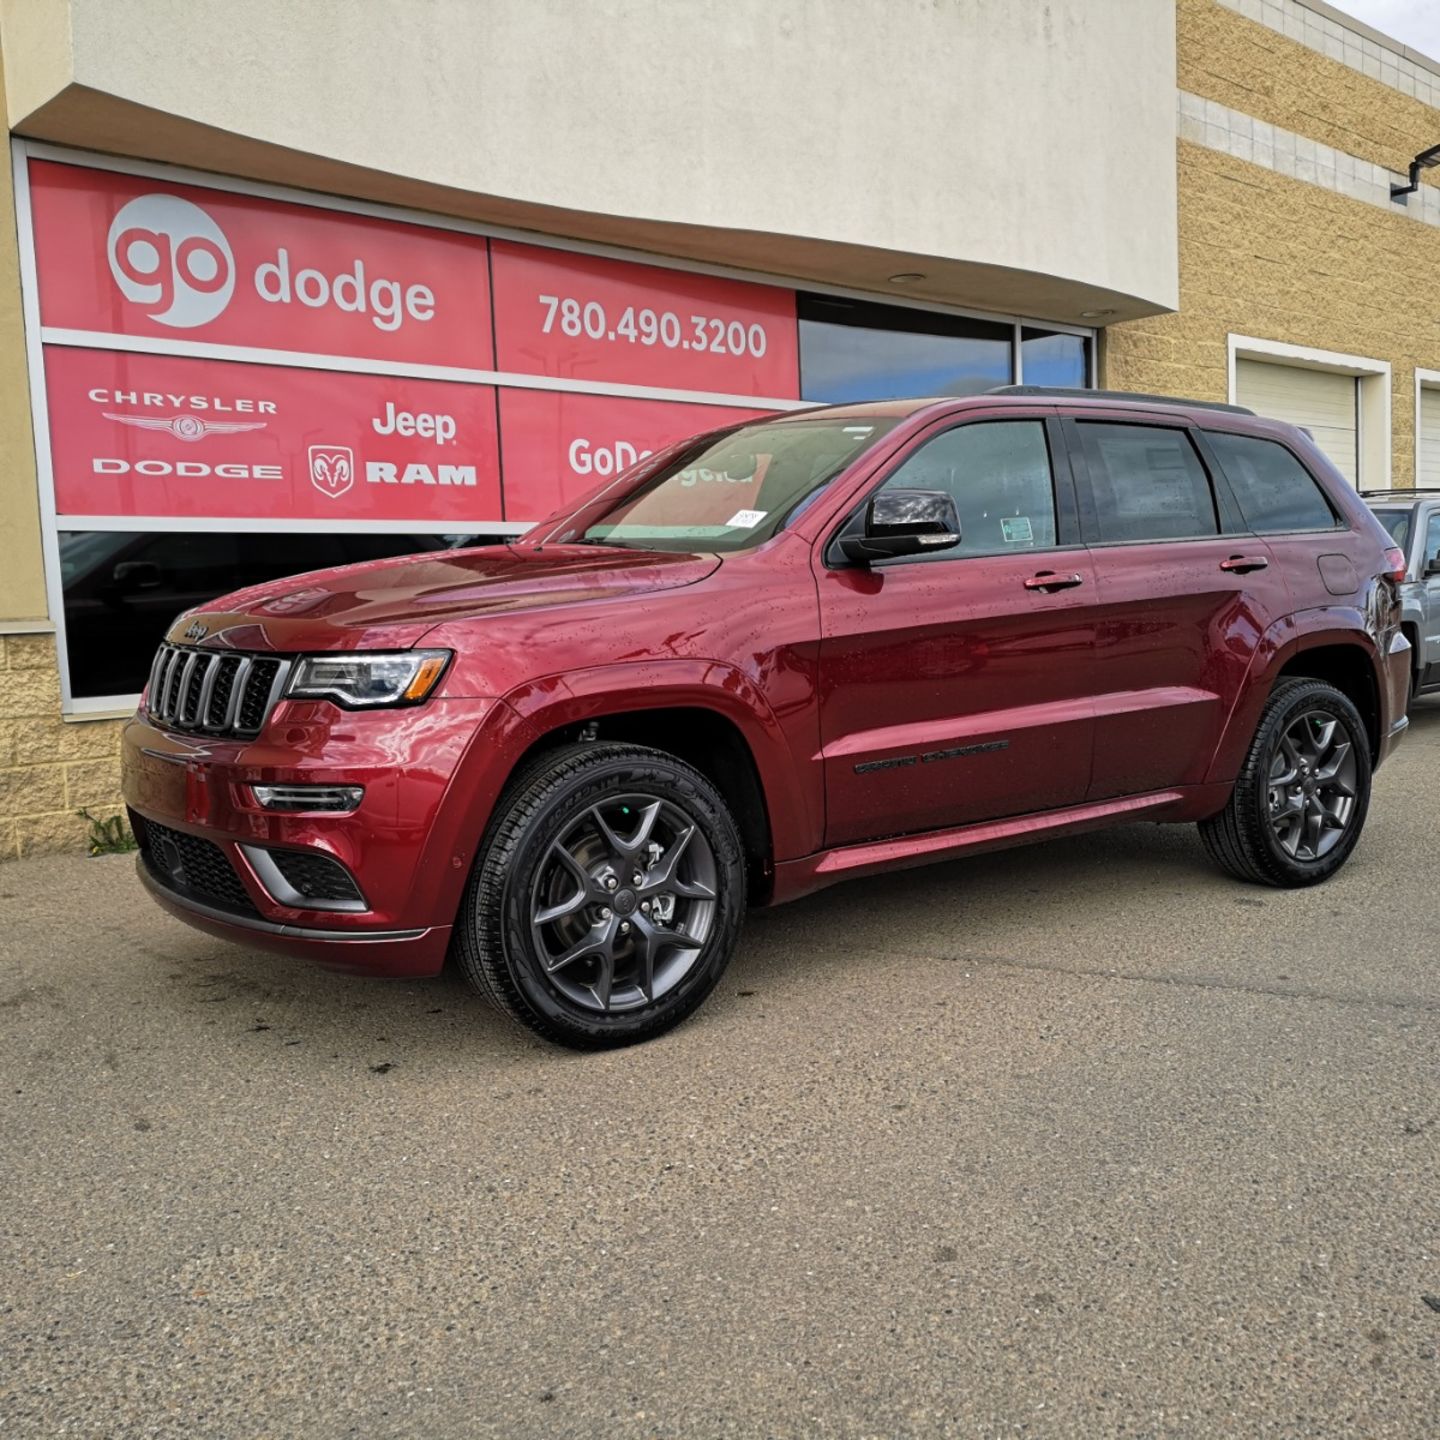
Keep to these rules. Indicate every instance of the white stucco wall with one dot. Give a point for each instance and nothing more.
(1035, 135)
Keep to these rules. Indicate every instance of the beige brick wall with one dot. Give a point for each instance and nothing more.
(49, 769)
(1223, 56)
(1265, 255)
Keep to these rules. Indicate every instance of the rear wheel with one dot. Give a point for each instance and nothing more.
(607, 899)
(1300, 801)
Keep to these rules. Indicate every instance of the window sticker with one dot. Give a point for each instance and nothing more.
(1016, 530)
(746, 519)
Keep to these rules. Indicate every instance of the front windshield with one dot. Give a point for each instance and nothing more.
(737, 490)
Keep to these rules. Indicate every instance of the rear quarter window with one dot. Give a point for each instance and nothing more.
(1275, 492)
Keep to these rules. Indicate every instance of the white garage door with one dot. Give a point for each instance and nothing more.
(1429, 439)
(1319, 401)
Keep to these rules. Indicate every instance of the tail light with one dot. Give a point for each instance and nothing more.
(1395, 564)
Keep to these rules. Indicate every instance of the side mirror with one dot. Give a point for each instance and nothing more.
(904, 522)
(1432, 567)
(136, 575)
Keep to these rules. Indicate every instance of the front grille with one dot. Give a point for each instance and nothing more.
(214, 692)
(193, 866)
(316, 876)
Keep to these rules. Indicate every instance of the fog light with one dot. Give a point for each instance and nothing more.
(309, 798)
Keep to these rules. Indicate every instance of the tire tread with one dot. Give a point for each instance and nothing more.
(1235, 838)
(479, 942)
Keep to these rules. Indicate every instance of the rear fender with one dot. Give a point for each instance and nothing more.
(1286, 639)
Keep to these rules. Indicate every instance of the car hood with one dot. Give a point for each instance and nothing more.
(390, 604)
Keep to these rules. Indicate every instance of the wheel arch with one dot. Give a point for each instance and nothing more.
(1348, 667)
(1343, 655)
(705, 738)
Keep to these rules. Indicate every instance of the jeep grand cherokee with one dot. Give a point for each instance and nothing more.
(783, 653)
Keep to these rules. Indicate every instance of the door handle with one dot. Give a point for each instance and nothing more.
(1048, 580)
(1243, 564)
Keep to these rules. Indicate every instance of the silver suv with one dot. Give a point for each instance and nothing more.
(1413, 519)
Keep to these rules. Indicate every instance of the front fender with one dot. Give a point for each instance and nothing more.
(789, 771)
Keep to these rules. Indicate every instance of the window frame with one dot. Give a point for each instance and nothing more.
(1062, 488)
(1432, 519)
(1217, 468)
(1228, 519)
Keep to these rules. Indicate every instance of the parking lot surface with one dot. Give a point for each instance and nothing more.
(1083, 1139)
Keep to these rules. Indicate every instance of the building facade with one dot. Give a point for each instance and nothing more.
(343, 283)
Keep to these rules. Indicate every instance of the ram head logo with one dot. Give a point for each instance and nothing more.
(332, 469)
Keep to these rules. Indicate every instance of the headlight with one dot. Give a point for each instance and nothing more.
(362, 681)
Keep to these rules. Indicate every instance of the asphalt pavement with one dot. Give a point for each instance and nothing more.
(1078, 1140)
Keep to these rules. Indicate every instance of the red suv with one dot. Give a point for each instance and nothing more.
(777, 655)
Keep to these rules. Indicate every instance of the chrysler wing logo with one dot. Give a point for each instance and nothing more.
(332, 469)
(197, 630)
(186, 427)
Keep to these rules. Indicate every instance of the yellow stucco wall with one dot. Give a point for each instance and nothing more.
(1248, 66)
(48, 769)
(1275, 258)
(22, 577)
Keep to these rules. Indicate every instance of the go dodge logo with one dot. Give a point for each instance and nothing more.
(170, 257)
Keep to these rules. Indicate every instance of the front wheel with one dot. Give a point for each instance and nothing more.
(1302, 795)
(607, 898)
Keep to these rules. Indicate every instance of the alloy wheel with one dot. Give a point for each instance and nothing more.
(1312, 785)
(623, 902)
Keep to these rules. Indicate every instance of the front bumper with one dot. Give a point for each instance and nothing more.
(430, 777)
(370, 952)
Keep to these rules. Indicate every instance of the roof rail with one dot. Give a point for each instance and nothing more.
(1405, 490)
(1063, 392)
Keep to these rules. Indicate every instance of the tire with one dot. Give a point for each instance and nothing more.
(553, 929)
(1302, 829)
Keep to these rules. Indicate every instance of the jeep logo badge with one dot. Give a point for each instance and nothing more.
(198, 630)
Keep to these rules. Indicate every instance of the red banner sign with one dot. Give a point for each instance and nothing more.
(139, 435)
(559, 446)
(128, 255)
(583, 317)
(155, 435)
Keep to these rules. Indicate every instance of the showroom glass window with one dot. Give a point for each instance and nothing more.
(860, 350)
(1052, 358)
(123, 588)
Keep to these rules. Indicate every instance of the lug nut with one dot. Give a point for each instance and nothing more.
(638, 878)
(625, 927)
(605, 914)
(611, 883)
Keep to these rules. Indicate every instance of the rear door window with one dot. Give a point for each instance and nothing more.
(1275, 492)
(1146, 482)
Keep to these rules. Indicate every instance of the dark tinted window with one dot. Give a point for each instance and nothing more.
(858, 350)
(122, 589)
(999, 475)
(1397, 522)
(1050, 358)
(1274, 490)
(1147, 483)
(1432, 544)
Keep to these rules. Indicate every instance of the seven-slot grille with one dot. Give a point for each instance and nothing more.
(214, 692)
